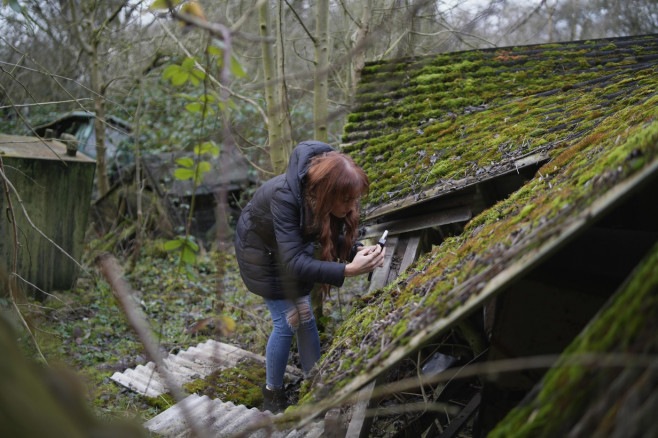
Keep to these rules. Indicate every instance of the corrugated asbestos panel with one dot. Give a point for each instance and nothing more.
(219, 419)
(187, 365)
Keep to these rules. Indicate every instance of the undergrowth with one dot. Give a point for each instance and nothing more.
(85, 330)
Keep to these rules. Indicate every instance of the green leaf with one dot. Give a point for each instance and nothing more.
(204, 167)
(183, 174)
(193, 107)
(170, 71)
(192, 244)
(185, 161)
(206, 147)
(187, 97)
(188, 64)
(179, 78)
(187, 255)
(209, 98)
(170, 245)
(215, 51)
(162, 4)
(236, 68)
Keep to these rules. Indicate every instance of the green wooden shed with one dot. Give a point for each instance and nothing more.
(49, 197)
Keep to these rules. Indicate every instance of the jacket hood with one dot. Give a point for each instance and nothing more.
(298, 164)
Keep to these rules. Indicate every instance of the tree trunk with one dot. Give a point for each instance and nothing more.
(278, 152)
(359, 59)
(103, 181)
(321, 83)
(282, 89)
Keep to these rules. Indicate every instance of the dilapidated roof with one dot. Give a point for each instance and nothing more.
(606, 382)
(422, 128)
(427, 127)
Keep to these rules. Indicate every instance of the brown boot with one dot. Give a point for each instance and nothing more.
(274, 400)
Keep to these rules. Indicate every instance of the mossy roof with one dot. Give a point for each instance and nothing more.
(606, 381)
(425, 127)
(602, 137)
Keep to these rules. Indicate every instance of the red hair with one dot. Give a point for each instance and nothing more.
(335, 178)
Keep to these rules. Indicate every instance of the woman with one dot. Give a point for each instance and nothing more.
(316, 199)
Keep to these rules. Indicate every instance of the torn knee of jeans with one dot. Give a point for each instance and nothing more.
(292, 318)
(305, 312)
(300, 314)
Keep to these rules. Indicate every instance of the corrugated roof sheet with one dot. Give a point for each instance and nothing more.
(194, 363)
(219, 419)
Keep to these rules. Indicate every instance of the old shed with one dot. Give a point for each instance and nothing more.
(50, 194)
(518, 185)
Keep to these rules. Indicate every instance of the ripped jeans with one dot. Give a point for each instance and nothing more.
(290, 317)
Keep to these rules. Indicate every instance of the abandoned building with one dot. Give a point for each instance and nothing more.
(519, 296)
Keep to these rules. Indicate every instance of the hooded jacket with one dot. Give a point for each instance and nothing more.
(274, 253)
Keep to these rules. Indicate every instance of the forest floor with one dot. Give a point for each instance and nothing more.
(85, 329)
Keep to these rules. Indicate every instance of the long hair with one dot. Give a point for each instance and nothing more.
(334, 179)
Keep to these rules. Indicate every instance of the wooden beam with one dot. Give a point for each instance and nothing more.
(454, 215)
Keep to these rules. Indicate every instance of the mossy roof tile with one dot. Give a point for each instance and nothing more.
(601, 147)
(497, 104)
(605, 383)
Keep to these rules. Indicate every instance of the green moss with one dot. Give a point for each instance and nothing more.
(240, 384)
(626, 325)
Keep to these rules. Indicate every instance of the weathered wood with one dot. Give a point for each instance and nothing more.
(55, 191)
(399, 226)
(380, 275)
(410, 253)
(460, 420)
(360, 422)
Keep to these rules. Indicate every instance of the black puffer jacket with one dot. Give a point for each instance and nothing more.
(274, 253)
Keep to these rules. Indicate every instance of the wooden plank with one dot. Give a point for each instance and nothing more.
(380, 275)
(360, 423)
(410, 253)
(399, 226)
(460, 420)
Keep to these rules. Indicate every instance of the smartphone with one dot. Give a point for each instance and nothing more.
(382, 240)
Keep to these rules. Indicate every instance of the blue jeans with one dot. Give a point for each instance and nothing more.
(290, 317)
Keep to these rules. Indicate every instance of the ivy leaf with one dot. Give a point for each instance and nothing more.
(183, 174)
(185, 161)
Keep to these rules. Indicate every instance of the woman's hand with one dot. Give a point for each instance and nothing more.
(367, 258)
